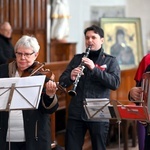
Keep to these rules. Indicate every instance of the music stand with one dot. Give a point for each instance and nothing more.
(102, 109)
(134, 112)
(146, 89)
(20, 93)
(98, 109)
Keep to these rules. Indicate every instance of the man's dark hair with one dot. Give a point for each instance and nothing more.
(96, 29)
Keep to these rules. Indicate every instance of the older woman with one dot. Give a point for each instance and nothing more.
(27, 129)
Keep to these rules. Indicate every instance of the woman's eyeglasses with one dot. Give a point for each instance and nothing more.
(26, 55)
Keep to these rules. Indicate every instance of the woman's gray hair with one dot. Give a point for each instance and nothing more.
(28, 42)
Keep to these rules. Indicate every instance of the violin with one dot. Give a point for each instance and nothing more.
(38, 69)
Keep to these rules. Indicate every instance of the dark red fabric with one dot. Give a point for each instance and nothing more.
(142, 66)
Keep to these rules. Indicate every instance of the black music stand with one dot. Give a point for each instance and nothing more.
(20, 93)
(98, 109)
(101, 109)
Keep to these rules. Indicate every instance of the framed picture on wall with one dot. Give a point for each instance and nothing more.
(123, 40)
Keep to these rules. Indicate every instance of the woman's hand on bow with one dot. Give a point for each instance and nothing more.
(51, 88)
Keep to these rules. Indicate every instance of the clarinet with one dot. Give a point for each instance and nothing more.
(82, 65)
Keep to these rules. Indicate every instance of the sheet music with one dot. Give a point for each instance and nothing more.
(26, 94)
(97, 101)
(133, 112)
(97, 109)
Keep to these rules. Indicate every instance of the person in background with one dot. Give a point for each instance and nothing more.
(135, 92)
(6, 47)
(27, 129)
(101, 74)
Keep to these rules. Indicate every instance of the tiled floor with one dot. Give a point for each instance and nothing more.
(117, 147)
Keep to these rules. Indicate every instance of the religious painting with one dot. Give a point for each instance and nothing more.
(123, 40)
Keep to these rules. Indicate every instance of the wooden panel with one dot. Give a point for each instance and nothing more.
(40, 11)
(29, 15)
(4, 10)
(127, 82)
(16, 14)
(62, 51)
(57, 68)
(26, 17)
(40, 35)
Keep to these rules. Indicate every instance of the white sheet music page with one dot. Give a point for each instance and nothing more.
(97, 109)
(26, 94)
